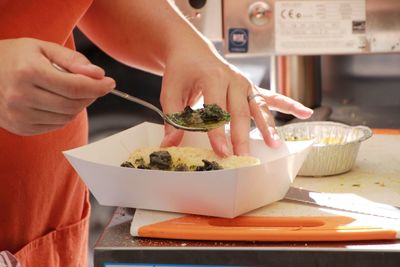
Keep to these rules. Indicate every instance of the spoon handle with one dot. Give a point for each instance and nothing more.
(138, 101)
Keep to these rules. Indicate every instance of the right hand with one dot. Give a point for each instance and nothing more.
(35, 97)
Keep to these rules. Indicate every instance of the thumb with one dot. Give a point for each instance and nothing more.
(71, 60)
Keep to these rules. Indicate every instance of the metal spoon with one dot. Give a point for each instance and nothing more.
(200, 128)
(166, 118)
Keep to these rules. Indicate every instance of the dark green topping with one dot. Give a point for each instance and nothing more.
(209, 166)
(181, 167)
(211, 116)
(140, 164)
(139, 161)
(213, 113)
(189, 116)
(160, 160)
(127, 164)
(143, 167)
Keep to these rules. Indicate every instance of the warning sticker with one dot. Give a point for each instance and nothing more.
(238, 40)
(320, 27)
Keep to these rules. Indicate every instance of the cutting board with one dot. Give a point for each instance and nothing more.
(375, 177)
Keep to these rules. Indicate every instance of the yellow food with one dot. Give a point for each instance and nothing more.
(191, 157)
(296, 138)
(323, 141)
(331, 141)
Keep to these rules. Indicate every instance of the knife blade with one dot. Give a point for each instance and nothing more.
(343, 201)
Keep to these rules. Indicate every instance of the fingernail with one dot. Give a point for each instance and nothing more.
(93, 67)
(165, 141)
(309, 110)
(224, 150)
(110, 81)
(274, 136)
(301, 106)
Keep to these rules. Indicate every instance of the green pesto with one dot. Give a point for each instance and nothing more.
(210, 117)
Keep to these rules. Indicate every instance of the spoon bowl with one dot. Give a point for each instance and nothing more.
(194, 128)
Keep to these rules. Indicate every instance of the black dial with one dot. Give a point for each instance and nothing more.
(197, 3)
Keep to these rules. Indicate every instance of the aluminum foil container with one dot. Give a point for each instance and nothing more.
(335, 148)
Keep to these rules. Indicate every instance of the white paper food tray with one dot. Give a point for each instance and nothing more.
(223, 193)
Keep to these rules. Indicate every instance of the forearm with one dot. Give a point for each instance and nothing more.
(139, 33)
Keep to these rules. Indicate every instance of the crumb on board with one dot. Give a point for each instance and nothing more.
(380, 183)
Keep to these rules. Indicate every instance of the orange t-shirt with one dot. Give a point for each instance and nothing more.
(43, 203)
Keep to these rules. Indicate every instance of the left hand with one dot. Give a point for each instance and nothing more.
(188, 75)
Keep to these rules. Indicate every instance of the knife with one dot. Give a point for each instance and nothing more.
(343, 201)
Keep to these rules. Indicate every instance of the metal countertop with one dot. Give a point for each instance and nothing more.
(116, 244)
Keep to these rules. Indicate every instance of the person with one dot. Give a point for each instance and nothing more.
(43, 203)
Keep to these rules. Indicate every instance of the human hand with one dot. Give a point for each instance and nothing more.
(37, 98)
(189, 75)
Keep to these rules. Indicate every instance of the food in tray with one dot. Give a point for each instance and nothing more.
(335, 146)
(210, 117)
(296, 138)
(184, 159)
(323, 141)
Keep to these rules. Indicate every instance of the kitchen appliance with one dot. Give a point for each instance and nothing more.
(294, 34)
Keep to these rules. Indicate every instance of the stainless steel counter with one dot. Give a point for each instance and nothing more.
(117, 245)
(376, 176)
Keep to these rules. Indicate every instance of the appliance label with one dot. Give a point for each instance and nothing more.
(314, 27)
(238, 40)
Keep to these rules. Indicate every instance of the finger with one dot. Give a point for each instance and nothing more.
(172, 136)
(216, 93)
(264, 121)
(50, 118)
(240, 119)
(89, 70)
(286, 105)
(71, 60)
(218, 142)
(69, 85)
(31, 116)
(171, 101)
(44, 100)
(29, 130)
